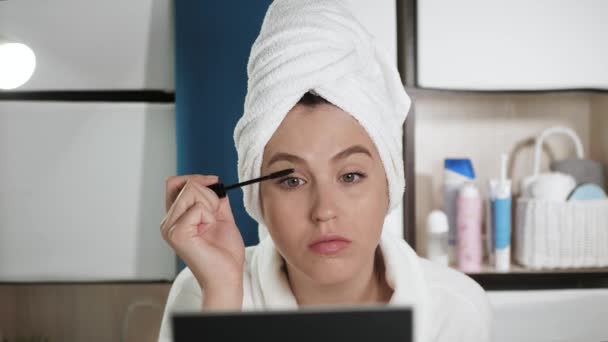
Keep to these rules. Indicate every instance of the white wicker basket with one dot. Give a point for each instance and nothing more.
(550, 234)
(561, 234)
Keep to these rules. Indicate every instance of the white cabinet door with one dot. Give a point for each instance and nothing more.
(82, 190)
(82, 45)
(513, 44)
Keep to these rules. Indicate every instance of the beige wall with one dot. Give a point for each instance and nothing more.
(599, 129)
(83, 312)
(482, 125)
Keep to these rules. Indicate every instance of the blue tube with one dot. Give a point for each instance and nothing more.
(502, 232)
(502, 222)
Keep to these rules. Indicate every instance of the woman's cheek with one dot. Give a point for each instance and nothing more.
(361, 195)
(286, 214)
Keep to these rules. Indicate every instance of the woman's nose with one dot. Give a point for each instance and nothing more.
(324, 205)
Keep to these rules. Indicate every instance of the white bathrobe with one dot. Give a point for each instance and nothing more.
(457, 307)
(319, 46)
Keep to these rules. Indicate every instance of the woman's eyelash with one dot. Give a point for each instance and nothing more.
(283, 181)
(361, 175)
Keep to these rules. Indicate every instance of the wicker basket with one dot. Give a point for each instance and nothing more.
(561, 234)
(552, 234)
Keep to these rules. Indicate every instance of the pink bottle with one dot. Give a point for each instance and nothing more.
(468, 221)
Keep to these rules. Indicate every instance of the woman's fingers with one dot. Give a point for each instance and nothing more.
(175, 184)
(191, 223)
(190, 195)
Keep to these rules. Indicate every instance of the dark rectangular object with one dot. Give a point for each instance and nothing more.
(388, 324)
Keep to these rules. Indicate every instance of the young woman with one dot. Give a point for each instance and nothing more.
(323, 100)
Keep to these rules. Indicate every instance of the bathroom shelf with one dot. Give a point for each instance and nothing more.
(518, 269)
(518, 278)
(521, 278)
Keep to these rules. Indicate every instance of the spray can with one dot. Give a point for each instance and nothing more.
(456, 173)
(469, 216)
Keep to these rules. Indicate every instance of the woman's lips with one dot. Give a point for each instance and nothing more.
(329, 245)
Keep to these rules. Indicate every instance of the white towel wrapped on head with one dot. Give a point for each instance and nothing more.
(317, 45)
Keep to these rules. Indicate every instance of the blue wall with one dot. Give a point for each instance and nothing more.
(212, 43)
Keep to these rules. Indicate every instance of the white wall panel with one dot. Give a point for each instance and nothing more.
(81, 45)
(380, 18)
(82, 190)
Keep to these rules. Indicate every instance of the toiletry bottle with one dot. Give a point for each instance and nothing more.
(469, 215)
(437, 237)
(501, 215)
(456, 173)
(489, 220)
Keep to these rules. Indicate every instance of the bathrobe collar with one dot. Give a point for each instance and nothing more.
(403, 274)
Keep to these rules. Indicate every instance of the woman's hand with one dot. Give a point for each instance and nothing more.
(200, 227)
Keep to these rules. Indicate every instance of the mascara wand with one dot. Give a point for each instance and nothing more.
(220, 189)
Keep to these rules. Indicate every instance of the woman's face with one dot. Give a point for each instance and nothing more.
(327, 216)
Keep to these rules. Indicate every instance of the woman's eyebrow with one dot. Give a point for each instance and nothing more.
(285, 156)
(351, 150)
(340, 155)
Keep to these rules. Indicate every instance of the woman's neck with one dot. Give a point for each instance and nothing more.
(367, 287)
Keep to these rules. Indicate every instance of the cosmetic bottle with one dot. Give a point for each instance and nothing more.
(437, 237)
(468, 220)
(501, 218)
(456, 173)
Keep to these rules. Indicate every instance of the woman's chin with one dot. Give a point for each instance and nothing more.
(331, 273)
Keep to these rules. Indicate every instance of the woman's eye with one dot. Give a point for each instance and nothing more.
(352, 177)
(292, 182)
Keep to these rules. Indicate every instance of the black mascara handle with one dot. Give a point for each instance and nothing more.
(219, 189)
